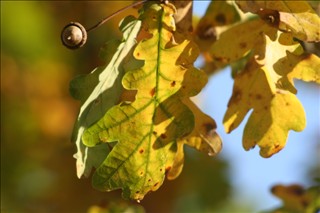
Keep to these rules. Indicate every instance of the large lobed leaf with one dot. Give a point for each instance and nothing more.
(265, 84)
(98, 91)
(151, 130)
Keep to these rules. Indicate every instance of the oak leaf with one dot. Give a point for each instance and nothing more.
(98, 91)
(265, 84)
(147, 129)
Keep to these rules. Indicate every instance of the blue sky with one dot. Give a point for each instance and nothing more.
(251, 175)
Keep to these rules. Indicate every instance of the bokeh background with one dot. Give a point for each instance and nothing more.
(37, 116)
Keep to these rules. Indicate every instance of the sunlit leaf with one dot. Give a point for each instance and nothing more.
(266, 86)
(296, 17)
(147, 128)
(239, 40)
(98, 91)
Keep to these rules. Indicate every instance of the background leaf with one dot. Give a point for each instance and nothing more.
(295, 17)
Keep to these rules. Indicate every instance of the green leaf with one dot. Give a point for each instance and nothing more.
(99, 91)
(295, 17)
(147, 128)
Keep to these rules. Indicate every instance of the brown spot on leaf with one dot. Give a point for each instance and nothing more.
(149, 180)
(141, 151)
(138, 54)
(161, 170)
(296, 190)
(156, 184)
(221, 19)
(222, 59)
(154, 133)
(141, 173)
(287, 104)
(243, 45)
(258, 96)
(163, 136)
(209, 126)
(97, 101)
(173, 83)
(236, 96)
(137, 192)
(152, 92)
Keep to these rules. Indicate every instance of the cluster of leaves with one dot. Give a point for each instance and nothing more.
(265, 55)
(136, 113)
(134, 135)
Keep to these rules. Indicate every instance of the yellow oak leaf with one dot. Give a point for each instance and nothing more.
(266, 86)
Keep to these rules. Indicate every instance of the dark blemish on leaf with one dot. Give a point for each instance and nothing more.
(163, 136)
(222, 59)
(97, 101)
(138, 54)
(287, 104)
(137, 192)
(173, 83)
(243, 45)
(154, 133)
(237, 95)
(152, 92)
(149, 180)
(296, 190)
(156, 184)
(141, 151)
(258, 96)
(221, 19)
(209, 127)
(141, 173)
(161, 170)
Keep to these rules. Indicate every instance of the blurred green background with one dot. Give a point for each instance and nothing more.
(37, 115)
